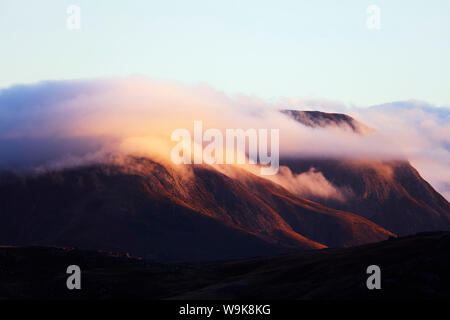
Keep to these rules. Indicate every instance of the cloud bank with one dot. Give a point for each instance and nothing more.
(67, 123)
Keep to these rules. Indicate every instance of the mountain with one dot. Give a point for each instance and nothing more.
(413, 267)
(319, 119)
(390, 193)
(189, 213)
(199, 212)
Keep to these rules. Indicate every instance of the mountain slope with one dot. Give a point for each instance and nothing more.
(147, 208)
(390, 193)
(335, 228)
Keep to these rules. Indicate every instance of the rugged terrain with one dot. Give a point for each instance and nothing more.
(146, 208)
(414, 267)
(155, 209)
(319, 119)
(390, 193)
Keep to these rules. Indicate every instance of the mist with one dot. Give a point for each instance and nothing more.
(59, 124)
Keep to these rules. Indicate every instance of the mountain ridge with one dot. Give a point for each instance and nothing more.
(207, 216)
(320, 119)
(390, 193)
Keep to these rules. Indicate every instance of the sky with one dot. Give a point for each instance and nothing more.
(270, 49)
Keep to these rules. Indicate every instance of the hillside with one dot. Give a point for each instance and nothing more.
(390, 193)
(146, 208)
(414, 267)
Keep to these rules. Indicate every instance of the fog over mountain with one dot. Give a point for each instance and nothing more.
(59, 124)
(87, 163)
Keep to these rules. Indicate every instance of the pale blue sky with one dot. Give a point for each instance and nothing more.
(272, 49)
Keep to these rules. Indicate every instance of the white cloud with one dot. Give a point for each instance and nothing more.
(65, 122)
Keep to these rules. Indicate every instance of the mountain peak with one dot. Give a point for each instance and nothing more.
(319, 119)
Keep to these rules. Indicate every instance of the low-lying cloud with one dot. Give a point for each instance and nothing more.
(67, 123)
(310, 184)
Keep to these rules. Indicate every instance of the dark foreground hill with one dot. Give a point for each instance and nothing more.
(415, 267)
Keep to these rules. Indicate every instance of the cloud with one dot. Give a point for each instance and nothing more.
(65, 123)
(412, 130)
(419, 131)
(310, 184)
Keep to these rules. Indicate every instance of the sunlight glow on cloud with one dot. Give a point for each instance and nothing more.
(66, 123)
